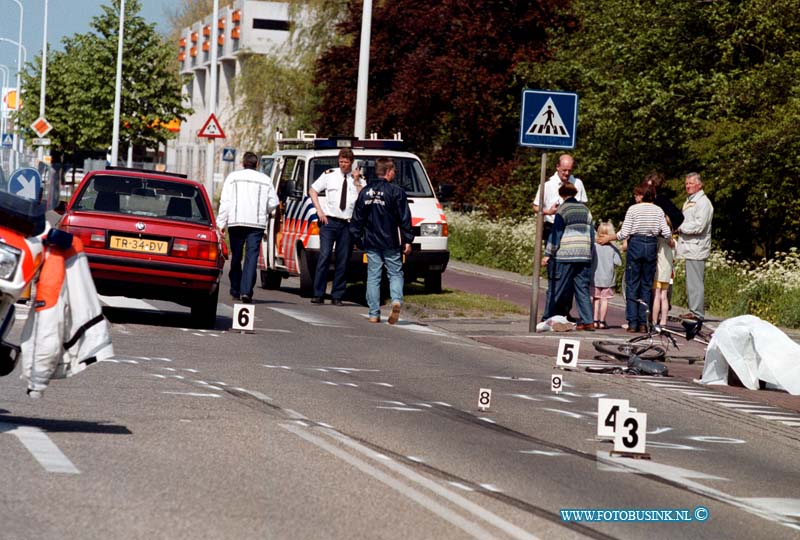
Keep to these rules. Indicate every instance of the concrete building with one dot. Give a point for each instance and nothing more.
(245, 27)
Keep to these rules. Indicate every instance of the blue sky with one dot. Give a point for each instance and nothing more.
(64, 18)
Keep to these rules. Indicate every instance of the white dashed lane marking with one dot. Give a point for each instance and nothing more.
(765, 412)
(308, 318)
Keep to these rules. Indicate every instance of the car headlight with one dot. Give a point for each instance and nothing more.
(431, 229)
(9, 260)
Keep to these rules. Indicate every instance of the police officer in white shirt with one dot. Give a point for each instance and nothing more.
(341, 186)
(551, 199)
(247, 199)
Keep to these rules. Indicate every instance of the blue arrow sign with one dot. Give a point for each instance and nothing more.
(26, 182)
(548, 119)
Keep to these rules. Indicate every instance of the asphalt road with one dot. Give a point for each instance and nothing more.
(321, 425)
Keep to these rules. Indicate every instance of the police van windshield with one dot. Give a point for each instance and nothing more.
(410, 175)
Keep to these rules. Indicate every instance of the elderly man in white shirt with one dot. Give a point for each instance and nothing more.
(566, 164)
(694, 244)
(563, 174)
(247, 199)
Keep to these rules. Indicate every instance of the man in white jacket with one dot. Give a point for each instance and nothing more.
(247, 200)
(694, 244)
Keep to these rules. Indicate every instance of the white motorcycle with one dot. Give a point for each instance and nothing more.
(22, 221)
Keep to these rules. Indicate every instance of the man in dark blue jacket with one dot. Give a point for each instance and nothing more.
(381, 225)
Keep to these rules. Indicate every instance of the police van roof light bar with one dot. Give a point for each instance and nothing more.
(308, 141)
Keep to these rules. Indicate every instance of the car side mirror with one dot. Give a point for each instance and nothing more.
(292, 191)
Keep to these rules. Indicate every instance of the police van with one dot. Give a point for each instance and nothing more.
(291, 242)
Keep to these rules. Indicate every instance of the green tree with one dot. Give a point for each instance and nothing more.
(443, 74)
(681, 85)
(79, 98)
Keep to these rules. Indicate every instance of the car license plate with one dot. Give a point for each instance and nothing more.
(138, 244)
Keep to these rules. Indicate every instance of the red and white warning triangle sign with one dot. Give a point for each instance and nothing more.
(211, 129)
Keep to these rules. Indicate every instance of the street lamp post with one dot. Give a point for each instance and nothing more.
(362, 91)
(17, 99)
(118, 86)
(212, 99)
(6, 75)
(43, 83)
(18, 142)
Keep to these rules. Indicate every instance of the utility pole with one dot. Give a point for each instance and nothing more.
(118, 86)
(360, 129)
(212, 101)
(43, 83)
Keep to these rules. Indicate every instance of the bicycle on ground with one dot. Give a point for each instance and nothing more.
(656, 344)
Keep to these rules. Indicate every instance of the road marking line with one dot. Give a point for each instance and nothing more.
(566, 413)
(126, 303)
(778, 513)
(739, 405)
(308, 318)
(41, 447)
(404, 409)
(257, 395)
(192, 394)
(542, 453)
(469, 527)
(788, 417)
(475, 509)
(525, 396)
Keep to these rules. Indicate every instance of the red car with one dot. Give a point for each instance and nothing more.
(149, 235)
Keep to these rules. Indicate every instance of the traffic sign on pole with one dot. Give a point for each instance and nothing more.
(41, 126)
(25, 182)
(548, 119)
(211, 129)
(8, 140)
(229, 154)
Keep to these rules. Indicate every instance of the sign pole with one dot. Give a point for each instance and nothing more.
(548, 120)
(212, 100)
(537, 249)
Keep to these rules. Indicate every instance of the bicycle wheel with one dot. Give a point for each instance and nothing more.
(624, 350)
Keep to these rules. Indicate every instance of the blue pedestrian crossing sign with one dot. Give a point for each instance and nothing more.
(228, 154)
(8, 140)
(549, 119)
(26, 182)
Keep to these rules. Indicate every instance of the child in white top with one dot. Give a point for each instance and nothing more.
(664, 268)
(606, 257)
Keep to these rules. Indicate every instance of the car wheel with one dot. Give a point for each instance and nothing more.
(270, 279)
(306, 276)
(433, 283)
(204, 313)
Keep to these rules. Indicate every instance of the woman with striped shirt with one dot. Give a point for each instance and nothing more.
(644, 223)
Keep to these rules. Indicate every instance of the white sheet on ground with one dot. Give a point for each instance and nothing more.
(755, 350)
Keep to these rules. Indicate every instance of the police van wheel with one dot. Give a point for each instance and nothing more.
(306, 276)
(270, 279)
(433, 283)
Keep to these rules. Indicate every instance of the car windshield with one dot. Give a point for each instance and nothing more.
(410, 175)
(144, 197)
